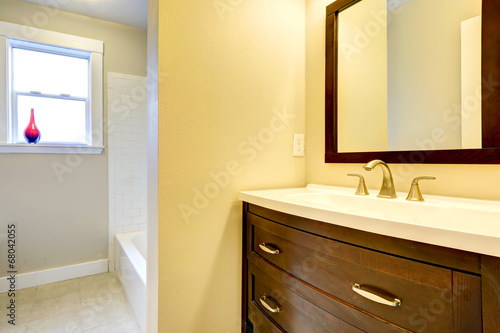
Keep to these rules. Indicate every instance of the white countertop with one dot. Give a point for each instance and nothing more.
(464, 224)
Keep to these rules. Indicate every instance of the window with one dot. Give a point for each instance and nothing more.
(56, 86)
(60, 77)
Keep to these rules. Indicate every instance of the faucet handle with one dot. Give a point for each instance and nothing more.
(361, 190)
(415, 194)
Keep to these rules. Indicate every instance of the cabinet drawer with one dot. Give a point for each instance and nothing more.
(271, 303)
(426, 294)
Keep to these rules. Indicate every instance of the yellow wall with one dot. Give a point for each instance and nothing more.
(231, 95)
(228, 72)
(472, 181)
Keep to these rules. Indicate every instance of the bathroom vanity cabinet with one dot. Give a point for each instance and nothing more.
(302, 275)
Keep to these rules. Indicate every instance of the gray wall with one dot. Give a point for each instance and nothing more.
(63, 220)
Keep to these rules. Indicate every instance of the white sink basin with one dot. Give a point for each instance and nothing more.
(466, 224)
(370, 205)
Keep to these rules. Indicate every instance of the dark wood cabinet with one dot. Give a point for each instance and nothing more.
(301, 275)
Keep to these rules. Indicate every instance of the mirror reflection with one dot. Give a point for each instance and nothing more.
(409, 75)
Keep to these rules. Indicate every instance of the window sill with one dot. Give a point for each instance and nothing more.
(6, 148)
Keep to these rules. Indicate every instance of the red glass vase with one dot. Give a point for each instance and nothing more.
(32, 133)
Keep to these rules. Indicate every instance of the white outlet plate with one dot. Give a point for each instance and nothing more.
(298, 145)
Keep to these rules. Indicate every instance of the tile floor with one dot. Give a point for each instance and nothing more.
(93, 304)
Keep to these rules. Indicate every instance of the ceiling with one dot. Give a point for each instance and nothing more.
(129, 12)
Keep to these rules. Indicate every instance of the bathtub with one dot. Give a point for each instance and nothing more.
(130, 264)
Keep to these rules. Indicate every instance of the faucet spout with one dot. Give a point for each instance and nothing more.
(387, 190)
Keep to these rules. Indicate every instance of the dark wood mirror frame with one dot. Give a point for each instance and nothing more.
(490, 72)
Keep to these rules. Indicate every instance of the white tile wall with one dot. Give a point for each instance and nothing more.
(127, 110)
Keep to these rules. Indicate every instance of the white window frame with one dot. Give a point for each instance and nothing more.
(14, 34)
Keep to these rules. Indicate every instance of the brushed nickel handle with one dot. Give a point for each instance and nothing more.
(263, 301)
(361, 190)
(374, 297)
(415, 194)
(268, 248)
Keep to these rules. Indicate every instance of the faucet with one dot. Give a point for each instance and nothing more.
(387, 190)
(415, 194)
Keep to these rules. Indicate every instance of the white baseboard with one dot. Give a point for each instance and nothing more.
(34, 279)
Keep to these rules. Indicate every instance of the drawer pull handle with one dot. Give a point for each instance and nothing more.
(269, 248)
(263, 300)
(374, 297)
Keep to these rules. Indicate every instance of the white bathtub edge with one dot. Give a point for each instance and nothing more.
(125, 243)
(131, 267)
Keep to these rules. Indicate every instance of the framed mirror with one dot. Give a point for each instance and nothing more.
(407, 83)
